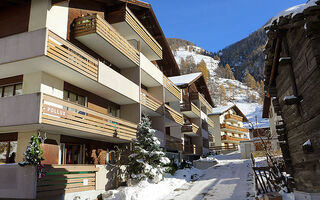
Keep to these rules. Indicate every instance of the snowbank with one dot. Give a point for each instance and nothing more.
(146, 190)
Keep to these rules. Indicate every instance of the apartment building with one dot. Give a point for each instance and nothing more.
(195, 106)
(80, 75)
(229, 130)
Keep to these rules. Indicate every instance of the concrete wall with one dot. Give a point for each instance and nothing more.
(132, 74)
(17, 182)
(216, 129)
(20, 110)
(21, 46)
(118, 82)
(175, 131)
(130, 112)
(151, 69)
(55, 18)
(42, 82)
(23, 142)
(157, 92)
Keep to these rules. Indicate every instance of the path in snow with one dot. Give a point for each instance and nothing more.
(231, 179)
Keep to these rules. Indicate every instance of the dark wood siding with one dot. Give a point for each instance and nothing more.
(14, 19)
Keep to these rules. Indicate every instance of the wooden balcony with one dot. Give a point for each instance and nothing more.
(61, 113)
(190, 110)
(232, 139)
(61, 179)
(231, 117)
(173, 143)
(173, 93)
(190, 129)
(210, 123)
(173, 115)
(97, 34)
(132, 29)
(203, 101)
(233, 129)
(68, 54)
(220, 148)
(151, 103)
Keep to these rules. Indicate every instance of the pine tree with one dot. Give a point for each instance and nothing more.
(34, 154)
(148, 160)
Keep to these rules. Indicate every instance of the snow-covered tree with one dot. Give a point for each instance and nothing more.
(34, 154)
(147, 160)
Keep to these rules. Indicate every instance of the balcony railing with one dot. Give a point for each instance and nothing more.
(65, 114)
(210, 122)
(142, 31)
(66, 179)
(151, 102)
(95, 24)
(70, 55)
(233, 117)
(229, 138)
(190, 128)
(219, 148)
(190, 107)
(173, 115)
(173, 143)
(203, 101)
(234, 128)
(172, 88)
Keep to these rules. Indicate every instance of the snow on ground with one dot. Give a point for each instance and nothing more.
(146, 190)
(230, 179)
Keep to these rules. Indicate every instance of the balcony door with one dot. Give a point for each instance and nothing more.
(72, 153)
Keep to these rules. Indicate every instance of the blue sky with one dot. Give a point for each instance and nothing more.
(215, 24)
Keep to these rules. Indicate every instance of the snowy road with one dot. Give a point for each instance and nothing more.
(230, 179)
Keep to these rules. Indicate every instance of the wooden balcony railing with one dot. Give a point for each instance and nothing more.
(203, 101)
(71, 56)
(190, 107)
(233, 117)
(173, 115)
(61, 179)
(142, 31)
(190, 128)
(173, 143)
(66, 114)
(151, 102)
(210, 122)
(234, 128)
(95, 24)
(226, 137)
(219, 148)
(173, 89)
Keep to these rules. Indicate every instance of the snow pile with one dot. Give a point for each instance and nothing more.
(293, 11)
(146, 190)
(209, 159)
(287, 196)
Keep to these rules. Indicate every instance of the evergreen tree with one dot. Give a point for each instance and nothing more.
(34, 154)
(148, 160)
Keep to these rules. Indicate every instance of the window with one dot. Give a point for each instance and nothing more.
(75, 98)
(11, 90)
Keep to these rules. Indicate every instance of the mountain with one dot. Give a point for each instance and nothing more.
(246, 54)
(223, 90)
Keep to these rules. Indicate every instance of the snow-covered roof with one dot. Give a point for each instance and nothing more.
(293, 11)
(221, 109)
(185, 79)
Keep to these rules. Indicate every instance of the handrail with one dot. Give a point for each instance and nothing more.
(227, 137)
(171, 87)
(227, 126)
(235, 117)
(150, 101)
(68, 114)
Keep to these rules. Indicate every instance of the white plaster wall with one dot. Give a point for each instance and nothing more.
(55, 18)
(151, 69)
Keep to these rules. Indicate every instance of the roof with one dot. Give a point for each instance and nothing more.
(222, 109)
(185, 79)
(292, 12)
